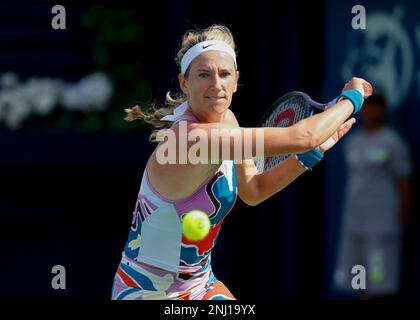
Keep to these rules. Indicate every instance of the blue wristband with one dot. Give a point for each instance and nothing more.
(310, 158)
(355, 98)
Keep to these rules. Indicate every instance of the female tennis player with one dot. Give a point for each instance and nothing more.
(158, 261)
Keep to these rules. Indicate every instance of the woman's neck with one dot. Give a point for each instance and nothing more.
(208, 118)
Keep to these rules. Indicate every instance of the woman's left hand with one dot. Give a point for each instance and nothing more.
(342, 130)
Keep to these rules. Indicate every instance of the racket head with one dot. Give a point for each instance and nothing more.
(284, 112)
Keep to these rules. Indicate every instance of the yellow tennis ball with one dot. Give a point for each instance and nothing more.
(195, 225)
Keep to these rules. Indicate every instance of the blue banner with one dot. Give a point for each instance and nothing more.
(378, 41)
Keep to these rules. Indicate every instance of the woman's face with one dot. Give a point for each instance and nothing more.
(211, 82)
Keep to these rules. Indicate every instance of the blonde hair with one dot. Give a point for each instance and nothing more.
(189, 39)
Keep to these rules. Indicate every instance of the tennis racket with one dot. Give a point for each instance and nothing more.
(288, 110)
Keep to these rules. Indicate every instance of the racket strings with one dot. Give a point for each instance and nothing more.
(288, 112)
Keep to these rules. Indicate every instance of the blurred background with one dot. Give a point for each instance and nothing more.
(70, 166)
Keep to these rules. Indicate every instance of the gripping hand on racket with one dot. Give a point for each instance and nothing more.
(359, 84)
(365, 90)
(354, 84)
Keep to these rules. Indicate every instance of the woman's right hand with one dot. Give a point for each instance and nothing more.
(356, 83)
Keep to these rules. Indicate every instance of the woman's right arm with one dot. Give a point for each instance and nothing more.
(298, 138)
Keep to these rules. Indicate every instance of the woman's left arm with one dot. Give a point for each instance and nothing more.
(254, 188)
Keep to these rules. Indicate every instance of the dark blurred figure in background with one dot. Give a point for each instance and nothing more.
(377, 205)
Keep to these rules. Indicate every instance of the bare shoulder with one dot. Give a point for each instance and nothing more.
(230, 118)
(177, 179)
